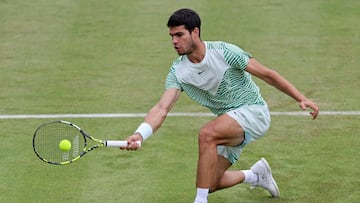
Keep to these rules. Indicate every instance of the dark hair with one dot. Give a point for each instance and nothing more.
(187, 17)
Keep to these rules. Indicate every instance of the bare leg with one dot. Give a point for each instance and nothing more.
(211, 169)
(206, 165)
(225, 177)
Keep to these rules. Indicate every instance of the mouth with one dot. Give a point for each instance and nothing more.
(179, 50)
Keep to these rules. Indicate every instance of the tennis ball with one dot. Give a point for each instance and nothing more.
(65, 145)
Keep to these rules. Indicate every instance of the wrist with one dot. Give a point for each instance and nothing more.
(144, 130)
(138, 136)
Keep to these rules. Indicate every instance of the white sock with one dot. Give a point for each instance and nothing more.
(250, 177)
(201, 195)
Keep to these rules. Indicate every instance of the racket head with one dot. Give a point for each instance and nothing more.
(46, 141)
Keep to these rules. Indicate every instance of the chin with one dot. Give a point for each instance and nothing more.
(183, 53)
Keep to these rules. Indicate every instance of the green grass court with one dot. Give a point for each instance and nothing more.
(87, 56)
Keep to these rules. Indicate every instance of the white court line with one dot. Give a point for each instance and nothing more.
(175, 114)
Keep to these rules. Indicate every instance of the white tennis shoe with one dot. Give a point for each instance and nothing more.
(265, 178)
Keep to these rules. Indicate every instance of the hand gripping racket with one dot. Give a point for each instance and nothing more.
(48, 146)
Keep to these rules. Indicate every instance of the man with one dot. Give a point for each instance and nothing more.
(218, 75)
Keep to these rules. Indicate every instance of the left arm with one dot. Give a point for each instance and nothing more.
(275, 79)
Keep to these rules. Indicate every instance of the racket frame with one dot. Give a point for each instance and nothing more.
(85, 149)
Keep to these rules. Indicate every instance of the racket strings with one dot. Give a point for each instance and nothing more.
(47, 138)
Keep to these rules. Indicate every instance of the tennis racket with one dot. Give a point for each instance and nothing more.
(48, 137)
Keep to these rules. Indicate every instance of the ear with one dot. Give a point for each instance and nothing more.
(196, 32)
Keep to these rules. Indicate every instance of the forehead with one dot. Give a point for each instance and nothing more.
(177, 29)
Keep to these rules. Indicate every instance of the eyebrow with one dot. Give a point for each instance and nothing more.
(176, 33)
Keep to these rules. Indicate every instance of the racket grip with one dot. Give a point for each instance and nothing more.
(118, 143)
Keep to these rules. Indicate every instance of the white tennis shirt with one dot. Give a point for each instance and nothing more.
(219, 81)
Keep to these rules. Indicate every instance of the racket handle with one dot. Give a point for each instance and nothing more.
(118, 143)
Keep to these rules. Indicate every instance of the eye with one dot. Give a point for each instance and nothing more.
(178, 34)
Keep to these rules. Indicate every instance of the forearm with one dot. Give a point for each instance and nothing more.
(275, 79)
(285, 86)
(152, 122)
(155, 117)
(157, 114)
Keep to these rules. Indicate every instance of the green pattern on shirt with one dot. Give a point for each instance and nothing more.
(236, 87)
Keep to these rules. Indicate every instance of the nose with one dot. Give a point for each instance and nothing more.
(174, 40)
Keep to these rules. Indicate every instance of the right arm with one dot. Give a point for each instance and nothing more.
(156, 116)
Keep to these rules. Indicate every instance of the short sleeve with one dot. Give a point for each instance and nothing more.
(171, 80)
(235, 56)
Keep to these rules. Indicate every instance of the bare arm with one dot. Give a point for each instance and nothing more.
(275, 79)
(156, 116)
(158, 113)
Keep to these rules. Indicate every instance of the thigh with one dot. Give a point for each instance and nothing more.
(254, 119)
(225, 130)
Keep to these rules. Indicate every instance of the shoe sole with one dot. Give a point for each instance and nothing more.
(272, 178)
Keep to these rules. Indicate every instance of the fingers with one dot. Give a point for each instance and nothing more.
(134, 142)
(302, 106)
(132, 145)
(309, 104)
(135, 145)
(314, 114)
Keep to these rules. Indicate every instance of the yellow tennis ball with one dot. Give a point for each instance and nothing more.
(65, 145)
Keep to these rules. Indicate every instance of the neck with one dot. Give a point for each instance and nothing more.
(198, 54)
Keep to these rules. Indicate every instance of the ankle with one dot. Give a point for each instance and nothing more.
(250, 177)
(201, 195)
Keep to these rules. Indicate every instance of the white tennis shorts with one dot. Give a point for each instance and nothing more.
(255, 120)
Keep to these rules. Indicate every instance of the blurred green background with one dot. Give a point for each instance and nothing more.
(87, 56)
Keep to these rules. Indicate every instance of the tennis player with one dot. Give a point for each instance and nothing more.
(217, 75)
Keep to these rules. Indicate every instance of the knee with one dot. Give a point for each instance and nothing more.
(206, 136)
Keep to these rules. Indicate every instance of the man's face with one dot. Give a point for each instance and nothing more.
(182, 40)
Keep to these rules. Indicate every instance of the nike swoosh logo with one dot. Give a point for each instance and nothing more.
(201, 72)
